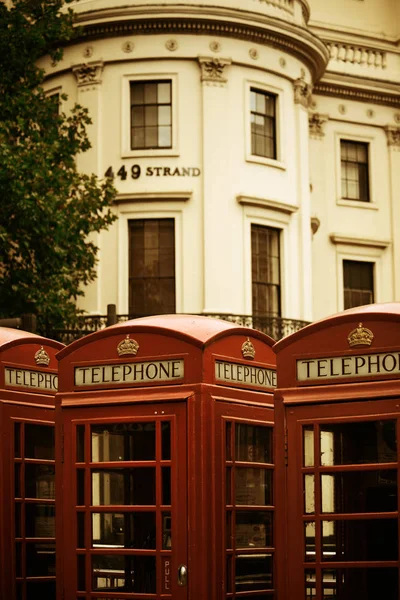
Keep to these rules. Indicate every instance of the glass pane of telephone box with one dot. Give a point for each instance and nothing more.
(253, 443)
(360, 540)
(253, 486)
(40, 520)
(124, 530)
(358, 442)
(39, 481)
(359, 491)
(124, 487)
(123, 573)
(253, 529)
(253, 572)
(360, 583)
(123, 442)
(39, 441)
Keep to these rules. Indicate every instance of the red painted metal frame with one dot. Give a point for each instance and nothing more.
(198, 340)
(352, 398)
(17, 349)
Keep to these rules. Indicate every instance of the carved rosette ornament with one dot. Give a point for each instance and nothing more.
(393, 137)
(212, 69)
(302, 92)
(88, 73)
(316, 121)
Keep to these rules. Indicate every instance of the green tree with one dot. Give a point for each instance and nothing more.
(47, 208)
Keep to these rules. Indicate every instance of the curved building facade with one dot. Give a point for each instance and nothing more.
(254, 147)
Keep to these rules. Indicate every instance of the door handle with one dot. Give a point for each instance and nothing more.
(182, 575)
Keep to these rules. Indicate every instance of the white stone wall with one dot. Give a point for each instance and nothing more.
(229, 189)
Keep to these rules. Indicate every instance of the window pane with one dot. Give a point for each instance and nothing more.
(124, 530)
(253, 572)
(359, 492)
(253, 486)
(358, 442)
(253, 443)
(40, 560)
(150, 93)
(124, 573)
(361, 583)
(39, 481)
(253, 529)
(124, 487)
(40, 520)
(39, 441)
(361, 540)
(123, 441)
(164, 93)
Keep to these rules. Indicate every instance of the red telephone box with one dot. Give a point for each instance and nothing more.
(339, 402)
(166, 488)
(28, 382)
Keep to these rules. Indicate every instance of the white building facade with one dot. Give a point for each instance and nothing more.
(255, 147)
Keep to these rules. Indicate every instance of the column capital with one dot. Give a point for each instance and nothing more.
(212, 69)
(316, 121)
(393, 136)
(302, 92)
(88, 73)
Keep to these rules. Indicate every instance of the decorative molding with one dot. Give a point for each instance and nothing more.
(171, 45)
(357, 93)
(357, 55)
(215, 46)
(282, 35)
(267, 203)
(254, 54)
(88, 51)
(88, 73)
(316, 121)
(338, 238)
(315, 223)
(153, 197)
(212, 69)
(393, 136)
(128, 46)
(302, 92)
(287, 5)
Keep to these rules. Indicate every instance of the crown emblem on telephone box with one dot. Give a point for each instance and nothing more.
(248, 350)
(42, 358)
(127, 347)
(360, 336)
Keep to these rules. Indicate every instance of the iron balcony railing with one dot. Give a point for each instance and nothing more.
(275, 327)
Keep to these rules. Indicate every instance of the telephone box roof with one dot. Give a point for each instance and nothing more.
(11, 337)
(198, 330)
(388, 311)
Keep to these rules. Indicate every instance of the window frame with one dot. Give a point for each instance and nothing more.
(366, 181)
(128, 212)
(372, 203)
(373, 268)
(269, 285)
(126, 124)
(158, 277)
(257, 86)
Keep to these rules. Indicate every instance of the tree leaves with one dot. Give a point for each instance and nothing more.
(48, 210)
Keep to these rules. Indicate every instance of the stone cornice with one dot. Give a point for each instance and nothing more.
(355, 240)
(243, 25)
(359, 89)
(277, 205)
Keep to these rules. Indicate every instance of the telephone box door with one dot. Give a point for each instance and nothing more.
(128, 514)
(31, 512)
(343, 513)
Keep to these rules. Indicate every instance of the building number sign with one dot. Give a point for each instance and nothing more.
(137, 171)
